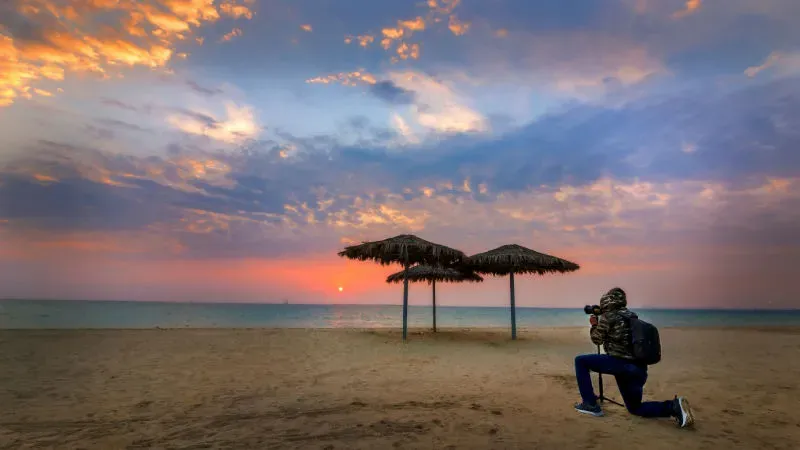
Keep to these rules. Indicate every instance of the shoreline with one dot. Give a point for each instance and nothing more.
(418, 330)
(383, 305)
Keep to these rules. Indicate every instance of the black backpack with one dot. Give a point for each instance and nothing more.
(645, 341)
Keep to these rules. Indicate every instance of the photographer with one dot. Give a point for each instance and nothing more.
(612, 330)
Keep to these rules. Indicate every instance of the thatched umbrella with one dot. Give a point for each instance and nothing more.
(405, 249)
(432, 275)
(511, 259)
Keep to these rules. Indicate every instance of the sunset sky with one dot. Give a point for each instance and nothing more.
(201, 150)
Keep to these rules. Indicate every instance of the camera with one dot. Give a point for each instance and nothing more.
(592, 309)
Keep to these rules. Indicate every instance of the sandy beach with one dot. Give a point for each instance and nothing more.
(365, 389)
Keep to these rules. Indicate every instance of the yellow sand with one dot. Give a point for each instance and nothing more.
(365, 389)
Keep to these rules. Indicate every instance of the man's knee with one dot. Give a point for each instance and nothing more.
(636, 410)
(584, 362)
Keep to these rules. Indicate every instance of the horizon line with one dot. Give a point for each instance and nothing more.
(238, 303)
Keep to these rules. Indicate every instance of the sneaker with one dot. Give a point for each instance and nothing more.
(593, 410)
(683, 412)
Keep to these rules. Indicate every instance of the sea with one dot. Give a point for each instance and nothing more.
(79, 314)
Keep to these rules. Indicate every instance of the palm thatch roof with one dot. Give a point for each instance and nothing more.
(405, 248)
(431, 274)
(518, 259)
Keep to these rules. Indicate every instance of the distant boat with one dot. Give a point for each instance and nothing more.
(285, 302)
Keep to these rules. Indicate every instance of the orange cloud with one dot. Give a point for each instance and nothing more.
(44, 178)
(178, 172)
(691, 7)
(774, 188)
(346, 78)
(306, 28)
(236, 32)
(405, 51)
(363, 41)
(443, 6)
(785, 62)
(773, 58)
(16, 74)
(395, 39)
(458, 27)
(404, 29)
(237, 11)
(72, 41)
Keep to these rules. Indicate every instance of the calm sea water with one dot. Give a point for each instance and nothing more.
(94, 314)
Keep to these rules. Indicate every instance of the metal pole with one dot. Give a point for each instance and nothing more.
(405, 298)
(513, 311)
(600, 379)
(434, 306)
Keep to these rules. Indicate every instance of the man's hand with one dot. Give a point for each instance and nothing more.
(593, 320)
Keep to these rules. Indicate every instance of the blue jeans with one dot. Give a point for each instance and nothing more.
(630, 380)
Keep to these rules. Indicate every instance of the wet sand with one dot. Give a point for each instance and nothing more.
(365, 389)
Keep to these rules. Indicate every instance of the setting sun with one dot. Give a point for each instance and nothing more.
(341, 289)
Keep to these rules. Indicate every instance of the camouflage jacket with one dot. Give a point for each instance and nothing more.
(613, 331)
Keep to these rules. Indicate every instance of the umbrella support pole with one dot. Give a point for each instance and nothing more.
(405, 299)
(434, 305)
(513, 310)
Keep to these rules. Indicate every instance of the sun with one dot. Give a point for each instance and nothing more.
(341, 289)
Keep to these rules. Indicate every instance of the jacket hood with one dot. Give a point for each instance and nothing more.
(613, 300)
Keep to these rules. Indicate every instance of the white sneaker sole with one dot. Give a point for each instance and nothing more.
(686, 412)
(589, 413)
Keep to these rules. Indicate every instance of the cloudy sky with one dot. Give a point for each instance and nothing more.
(225, 150)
